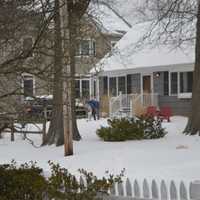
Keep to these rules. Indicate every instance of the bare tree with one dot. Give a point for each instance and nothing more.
(19, 20)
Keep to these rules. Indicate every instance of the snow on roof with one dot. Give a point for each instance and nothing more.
(107, 20)
(131, 52)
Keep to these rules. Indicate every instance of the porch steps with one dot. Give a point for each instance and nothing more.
(127, 105)
(123, 112)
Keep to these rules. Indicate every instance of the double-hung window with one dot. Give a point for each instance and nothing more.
(28, 85)
(186, 80)
(174, 83)
(86, 48)
(181, 84)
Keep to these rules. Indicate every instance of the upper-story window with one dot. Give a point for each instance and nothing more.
(28, 85)
(27, 45)
(86, 48)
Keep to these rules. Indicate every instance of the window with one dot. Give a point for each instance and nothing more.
(122, 84)
(166, 83)
(77, 88)
(186, 80)
(94, 88)
(105, 85)
(86, 48)
(85, 88)
(174, 83)
(93, 48)
(27, 45)
(129, 84)
(113, 86)
(28, 86)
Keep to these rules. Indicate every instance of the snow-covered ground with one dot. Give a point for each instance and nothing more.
(175, 156)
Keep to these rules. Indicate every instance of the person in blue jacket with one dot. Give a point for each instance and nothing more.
(94, 104)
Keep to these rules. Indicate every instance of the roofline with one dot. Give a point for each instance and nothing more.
(171, 67)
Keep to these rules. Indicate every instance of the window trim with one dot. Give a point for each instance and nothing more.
(81, 88)
(26, 76)
(170, 84)
(92, 48)
(180, 95)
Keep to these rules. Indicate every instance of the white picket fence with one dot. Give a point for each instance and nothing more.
(150, 191)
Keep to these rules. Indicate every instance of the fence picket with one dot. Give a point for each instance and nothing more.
(173, 191)
(81, 181)
(154, 189)
(183, 192)
(195, 190)
(120, 188)
(146, 193)
(163, 191)
(119, 191)
(113, 190)
(136, 189)
(128, 187)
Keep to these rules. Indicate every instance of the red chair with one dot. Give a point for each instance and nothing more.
(151, 111)
(165, 113)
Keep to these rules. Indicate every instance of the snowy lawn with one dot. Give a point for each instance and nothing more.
(175, 156)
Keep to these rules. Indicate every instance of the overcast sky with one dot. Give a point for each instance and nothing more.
(128, 8)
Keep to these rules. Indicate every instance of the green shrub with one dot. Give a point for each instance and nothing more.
(131, 129)
(24, 182)
(27, 182)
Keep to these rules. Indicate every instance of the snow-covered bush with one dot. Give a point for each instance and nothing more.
(132, 129)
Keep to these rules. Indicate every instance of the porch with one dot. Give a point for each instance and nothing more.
(169, 85)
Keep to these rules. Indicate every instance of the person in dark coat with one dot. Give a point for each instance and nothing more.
(95, 108)
(92, 105)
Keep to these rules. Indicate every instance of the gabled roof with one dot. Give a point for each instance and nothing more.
(131, 52)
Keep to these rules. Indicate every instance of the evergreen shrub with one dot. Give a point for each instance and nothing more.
(27, 182)
(123, 129)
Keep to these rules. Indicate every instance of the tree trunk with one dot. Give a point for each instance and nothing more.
(73, 35)
(67, 79)
(193, 125)
(55, 133)
(61, 130)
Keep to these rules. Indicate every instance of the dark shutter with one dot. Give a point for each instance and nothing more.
(174, 83)
(166, 83)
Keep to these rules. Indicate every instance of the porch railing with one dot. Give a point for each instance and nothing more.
(121, 104)
(131, 104)
(142, 101)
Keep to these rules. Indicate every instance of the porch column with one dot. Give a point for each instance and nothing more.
(126, 89)
(81, 93)
(117, 86)
(91, 87)
(108, 81)
(97, 88)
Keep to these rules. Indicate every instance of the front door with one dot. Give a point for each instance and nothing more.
(146, 84)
